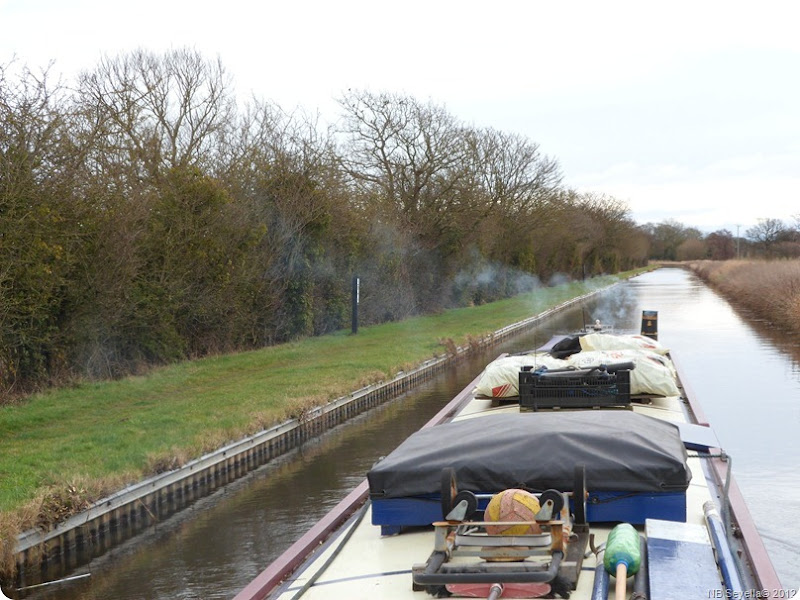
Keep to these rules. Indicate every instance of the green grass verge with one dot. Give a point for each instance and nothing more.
(104, 435)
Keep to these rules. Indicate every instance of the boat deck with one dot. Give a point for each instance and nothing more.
(370, 565)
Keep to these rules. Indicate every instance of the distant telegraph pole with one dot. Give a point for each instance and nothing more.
(355, 294)
(737, 241)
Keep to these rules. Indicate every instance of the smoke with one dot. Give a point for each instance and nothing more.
(558, 279)
(614, 307)
(481, 281)
(525, 282)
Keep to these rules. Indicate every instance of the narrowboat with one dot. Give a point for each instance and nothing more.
(585, 469)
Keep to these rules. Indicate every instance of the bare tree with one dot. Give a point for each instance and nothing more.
(406, 155)
(720, 245)
(509, 172)
(667, 236)
(157, 111)
(766, 233)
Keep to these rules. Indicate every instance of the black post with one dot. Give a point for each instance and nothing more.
(355, 294)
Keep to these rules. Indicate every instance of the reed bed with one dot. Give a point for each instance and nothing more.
(770, 289)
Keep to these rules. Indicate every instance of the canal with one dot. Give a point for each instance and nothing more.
(745, 374)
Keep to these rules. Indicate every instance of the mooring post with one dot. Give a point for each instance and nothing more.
(355, 294)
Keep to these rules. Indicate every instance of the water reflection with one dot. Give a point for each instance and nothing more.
(746, 379)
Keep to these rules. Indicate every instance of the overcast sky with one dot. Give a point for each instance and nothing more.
(684, 110)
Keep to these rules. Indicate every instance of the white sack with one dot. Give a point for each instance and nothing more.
(653, 373)
(603, 341)
(500, 378)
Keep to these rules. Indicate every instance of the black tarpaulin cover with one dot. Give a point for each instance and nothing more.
(621, 450)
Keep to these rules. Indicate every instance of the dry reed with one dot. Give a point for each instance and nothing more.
(770, 289)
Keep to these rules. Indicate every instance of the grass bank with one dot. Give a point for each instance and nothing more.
(770, 289)
(65, 448)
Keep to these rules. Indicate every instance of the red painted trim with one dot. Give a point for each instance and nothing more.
(293, 557)
(297, 552)
(455, 405)
(753, 545)
(688, 392)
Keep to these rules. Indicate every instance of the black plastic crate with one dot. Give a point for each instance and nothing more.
(587, 388)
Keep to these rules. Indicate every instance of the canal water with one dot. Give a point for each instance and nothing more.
(745, 374)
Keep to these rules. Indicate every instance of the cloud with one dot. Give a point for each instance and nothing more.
(709, 200)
